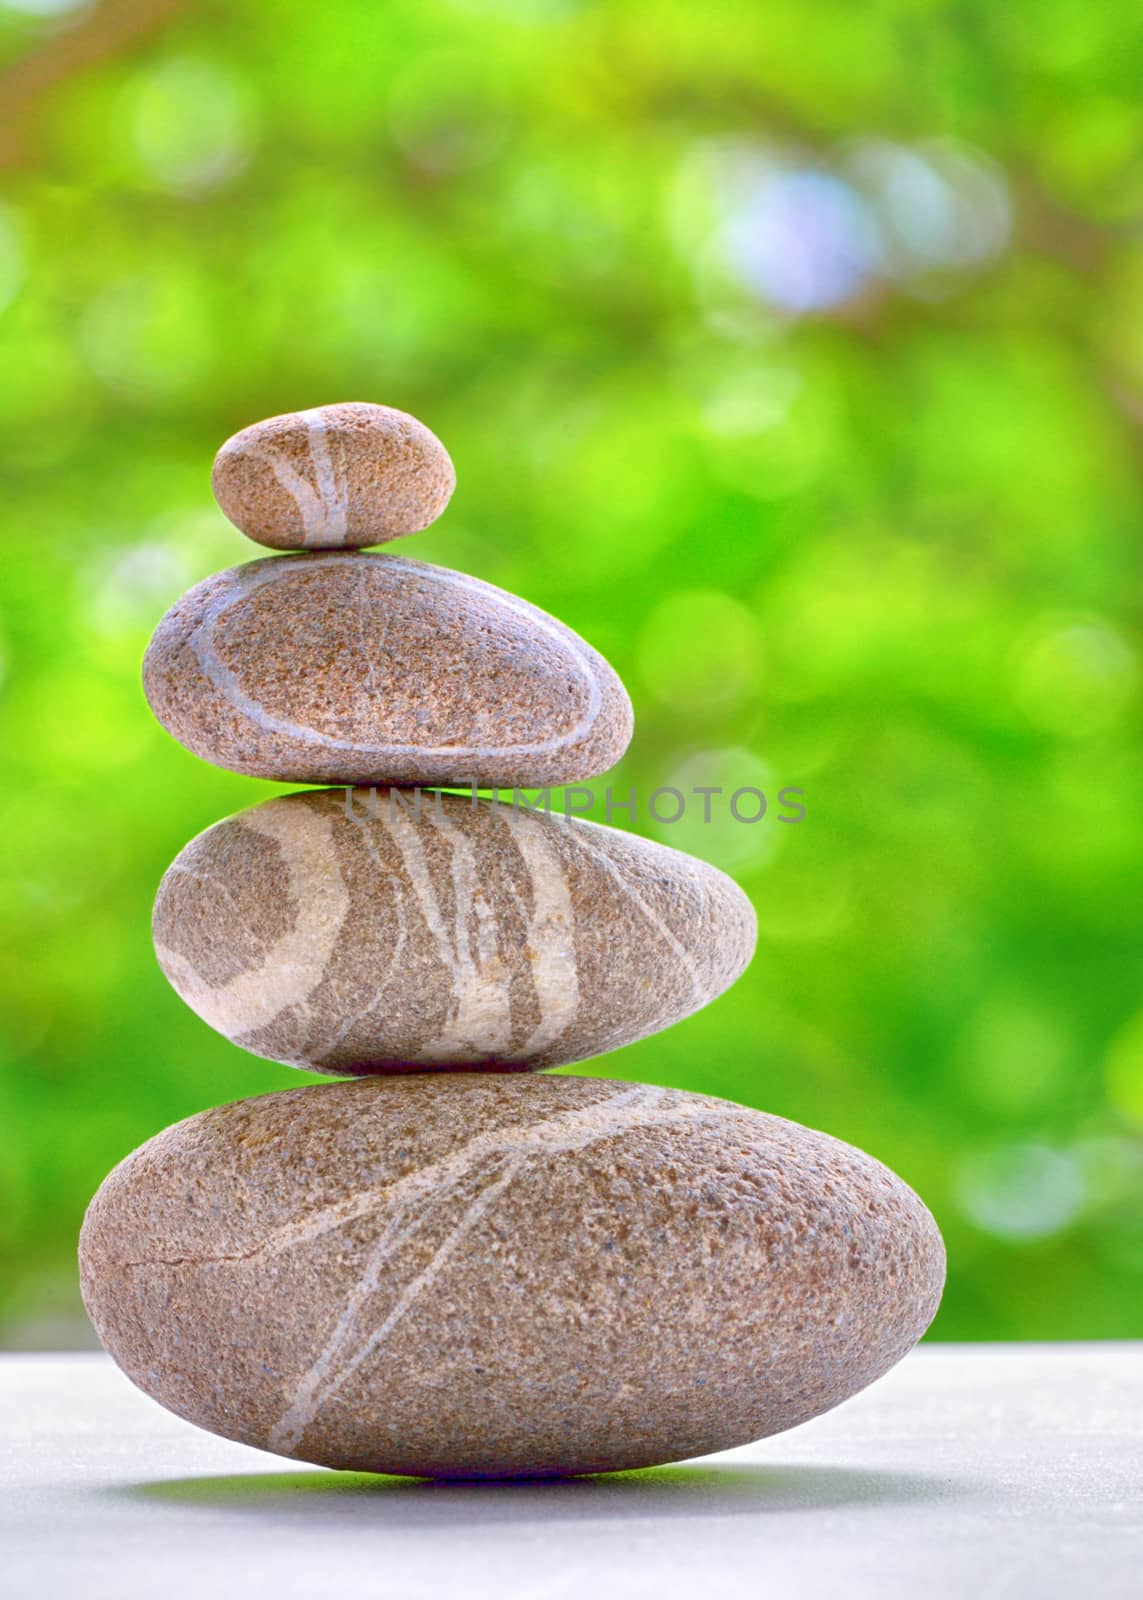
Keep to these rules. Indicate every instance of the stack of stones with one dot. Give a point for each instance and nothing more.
(443, 1265)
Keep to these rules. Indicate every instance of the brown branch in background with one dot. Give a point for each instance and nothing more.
(112, 28)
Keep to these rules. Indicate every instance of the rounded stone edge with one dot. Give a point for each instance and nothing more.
(436, 463)
(926, 1232)
(602, 749)
(733, 907)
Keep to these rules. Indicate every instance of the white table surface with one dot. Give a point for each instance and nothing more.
(970, 1471)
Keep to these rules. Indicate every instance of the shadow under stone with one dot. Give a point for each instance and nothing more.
(734, 1489)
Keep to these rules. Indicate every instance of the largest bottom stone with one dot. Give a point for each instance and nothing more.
(489, 1276)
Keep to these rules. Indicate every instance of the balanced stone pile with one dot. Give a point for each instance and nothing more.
(474, 1274)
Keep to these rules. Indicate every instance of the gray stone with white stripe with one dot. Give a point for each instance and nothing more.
(334, 477)
(484, 1277)
(364, 669)
(379, 931)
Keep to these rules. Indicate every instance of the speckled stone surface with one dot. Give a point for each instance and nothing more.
(333, 478)
(494, 1276)
(356, 668)
(347, 932)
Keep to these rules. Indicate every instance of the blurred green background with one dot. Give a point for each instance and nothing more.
(793, 354)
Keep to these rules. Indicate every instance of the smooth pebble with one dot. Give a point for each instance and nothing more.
(380, 931)
(335, 477)
(491, 1277)
(366, 669)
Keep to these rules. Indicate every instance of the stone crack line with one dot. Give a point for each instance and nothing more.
(424, 1192)
(641, 1106)
(317, 1387)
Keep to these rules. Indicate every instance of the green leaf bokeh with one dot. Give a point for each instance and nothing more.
(791, 353)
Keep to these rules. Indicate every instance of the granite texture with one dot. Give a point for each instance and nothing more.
(333, 478)
(377, 930)
(356, 668)
(479, 1276)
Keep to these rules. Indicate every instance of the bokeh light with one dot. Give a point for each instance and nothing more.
(192, 124)
(1124, 1068)
(45, 8)
(796, 361)
(1020, 1191)
(11, 257)
(1075, 678)
(733, 835)
(817, 236)
(700, 652)
(938, 206)
(802, 239)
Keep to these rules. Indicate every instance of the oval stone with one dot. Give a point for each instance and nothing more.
(375, 931)
(333, 478)
(365, 669)
(482, 1277)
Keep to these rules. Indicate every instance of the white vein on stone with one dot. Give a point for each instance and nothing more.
(202, 641)
(317, 1388)
(550, 937)
(479, 1024)
(323, 505)
(422, 1193)
(321, 1052)
(566, 1130)
(703, 992)
(332, 487)
(296, 963)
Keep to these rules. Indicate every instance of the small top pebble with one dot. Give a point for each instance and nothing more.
(337, 477)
